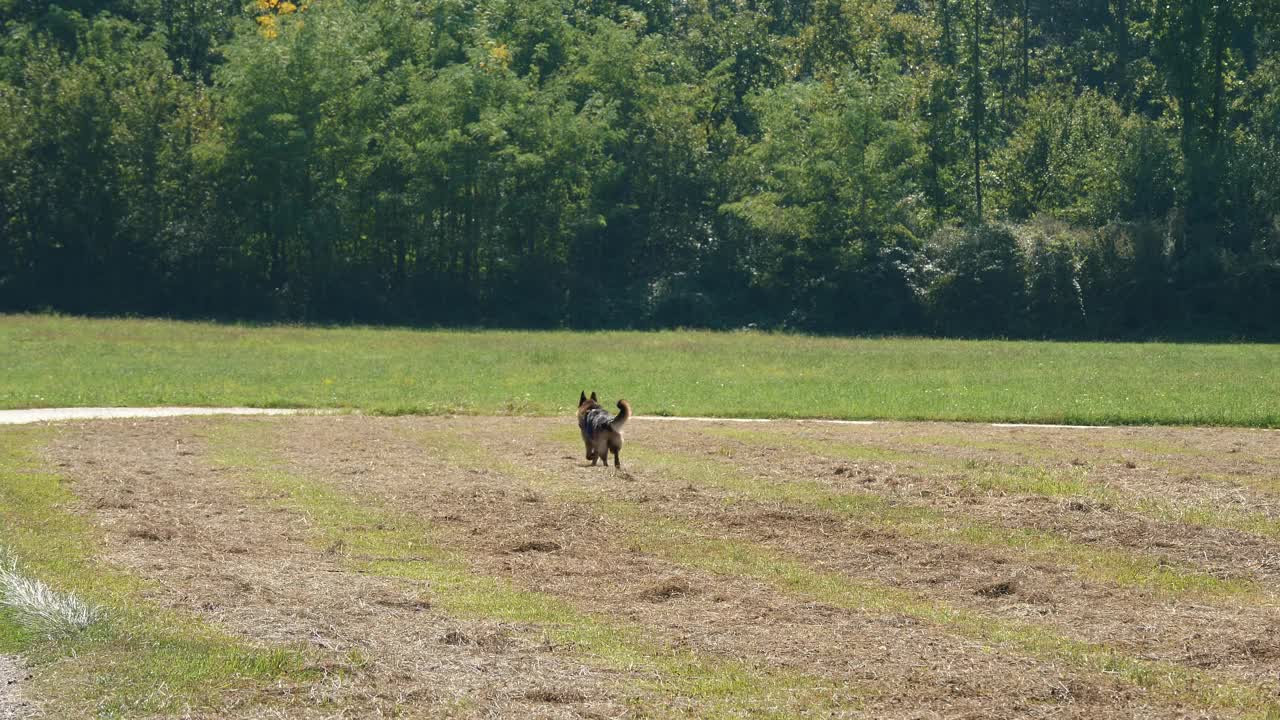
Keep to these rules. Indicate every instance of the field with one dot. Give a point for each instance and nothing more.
(55, 361)
(475, 566)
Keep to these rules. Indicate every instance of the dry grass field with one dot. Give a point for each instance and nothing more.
(469, 567)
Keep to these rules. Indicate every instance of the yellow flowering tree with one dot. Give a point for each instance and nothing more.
(268, 12)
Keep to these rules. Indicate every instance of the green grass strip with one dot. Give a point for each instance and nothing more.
(675, 541)
(140, 660)
(376, 540)
(52, 361)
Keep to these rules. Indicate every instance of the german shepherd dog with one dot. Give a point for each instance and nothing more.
(601, 433)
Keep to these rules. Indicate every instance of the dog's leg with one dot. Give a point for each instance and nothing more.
(617, 459)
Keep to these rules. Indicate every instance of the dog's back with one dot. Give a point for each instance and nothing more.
(593, 420)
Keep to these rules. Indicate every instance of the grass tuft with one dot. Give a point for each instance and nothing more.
(39, 608)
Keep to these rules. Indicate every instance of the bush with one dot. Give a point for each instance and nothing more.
(1051, 265)
(980, 289)
(1125, 277)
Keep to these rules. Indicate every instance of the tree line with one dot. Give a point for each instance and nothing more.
(1022, 168)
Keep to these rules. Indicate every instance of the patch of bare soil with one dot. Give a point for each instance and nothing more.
(12, 704)
(208, 548)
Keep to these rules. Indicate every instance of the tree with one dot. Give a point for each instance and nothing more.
(830, 183)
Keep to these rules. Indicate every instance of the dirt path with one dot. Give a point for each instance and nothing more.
(35, 415)
(12, 706)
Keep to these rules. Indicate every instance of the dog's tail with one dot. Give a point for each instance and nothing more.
(624, 413)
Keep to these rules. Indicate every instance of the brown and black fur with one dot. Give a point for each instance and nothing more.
(601, 433)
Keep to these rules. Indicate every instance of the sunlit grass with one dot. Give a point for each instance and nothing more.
(943, 438)
(1212, 517)
(832, 449)
(376, 540)
(136, 659)
(60, 361)
(906, 519)
(681, 543)
(1031, 480)
(997, 477)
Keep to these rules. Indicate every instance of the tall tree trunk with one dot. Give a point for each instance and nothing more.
(1025, 83)
(1220, 29)
(1122, 48)
(948, 40)
(978, 108)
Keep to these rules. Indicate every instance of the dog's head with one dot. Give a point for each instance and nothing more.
(585, 404)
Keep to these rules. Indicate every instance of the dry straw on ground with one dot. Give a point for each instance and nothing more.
(238, 553)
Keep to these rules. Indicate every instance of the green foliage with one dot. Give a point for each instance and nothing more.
(982, 292)
(1055, 298)
(1080, 158)
(620, 164)
(829, 185)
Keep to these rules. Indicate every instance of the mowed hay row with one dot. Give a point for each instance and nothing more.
(1179, 645)
(378, 538)
(227, 541)
(732, 613)
(1203, 477)
(1065, 515)
(1210, 604)
(483, 451)
(471, 565)
(128, 656)
(1122, 499)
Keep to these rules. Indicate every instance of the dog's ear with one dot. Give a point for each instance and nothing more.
(582, 398)
(593, 396)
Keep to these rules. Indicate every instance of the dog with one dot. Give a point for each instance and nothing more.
(601, 433)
